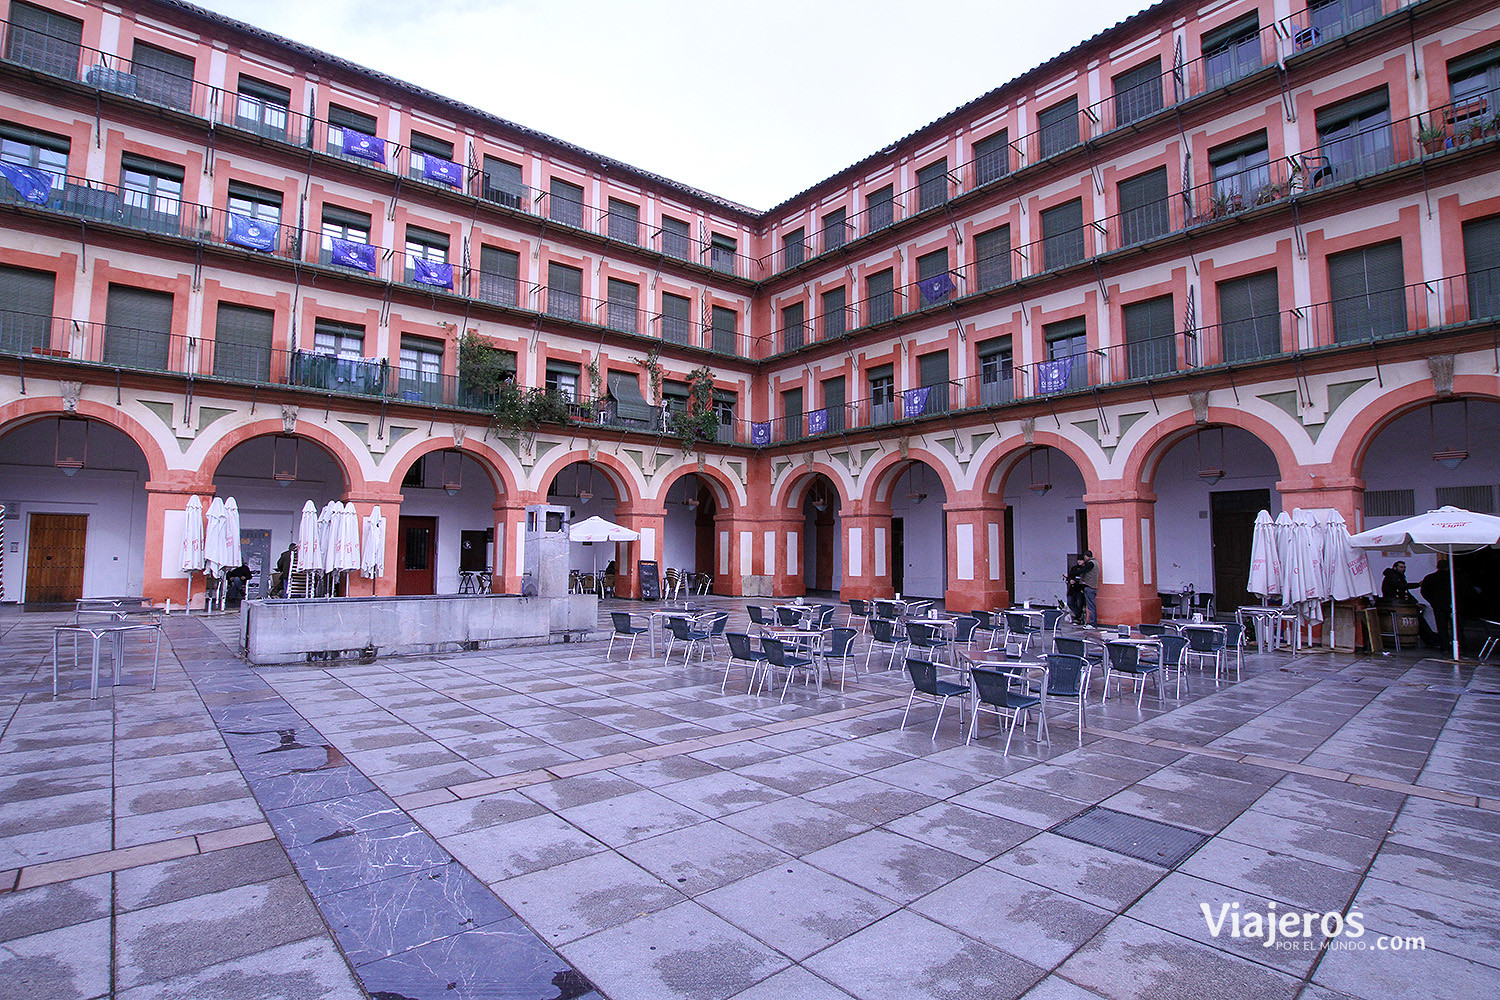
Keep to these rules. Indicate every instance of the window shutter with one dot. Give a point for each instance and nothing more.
(793, 248)
(1369, 294)
(793, 326)
(675, 323)
(341, 117)
(833, 402)
(676, 237)
(1150, 338)
(791, 410)
(932, 185)
(725, 322)
(931, 264)
(565, 203)
(992, 157)
(1250, 317)
(934, 372)
(564, 291)
(138, 325)
(1062, 235)
(44, 40)
(624, 221)
(1057, 127)
(499, 272)
(880, 297)
(835, 229)
(992, 250)
(882, 208)
(162, 76)
(834, 323)
(26, 299)
(624, 304)
(502, 182)
(1143, 207)
(242, 343)
(1482, 261)
(1138, 92)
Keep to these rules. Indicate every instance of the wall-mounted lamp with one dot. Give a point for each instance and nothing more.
(1042, 485)
(453, 479)
(1450, 446)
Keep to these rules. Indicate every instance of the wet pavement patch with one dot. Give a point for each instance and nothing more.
(1133, 836)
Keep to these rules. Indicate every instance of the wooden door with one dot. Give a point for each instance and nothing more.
(1233, 522)
(416, 555)
(54, 558)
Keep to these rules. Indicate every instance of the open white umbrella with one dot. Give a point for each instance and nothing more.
(309, 554)
(597, 529)
(1265, 559)
(192, 543)
(373, 556)
(1446, 530)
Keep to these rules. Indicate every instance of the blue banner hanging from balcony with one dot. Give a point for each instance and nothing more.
(356, 255)
(365, 147)
(817, 421)
(1052, 376)
(432, 272)
(435, 168)
(914, 401)
(760, 433)
(937, 287)
(244, 231)
(31, 184)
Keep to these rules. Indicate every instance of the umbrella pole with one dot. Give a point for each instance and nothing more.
(1453, 603)
(188, 607)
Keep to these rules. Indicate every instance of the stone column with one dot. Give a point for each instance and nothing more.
(976, 552)
(1344, 494)
(1122, 533)
(867, 550)
(364, 502)
(780, 540)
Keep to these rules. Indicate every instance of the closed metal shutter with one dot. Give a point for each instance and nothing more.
(138, 326)
(725, 323)
(26, 299)
(791, 411)
(1150, 340)
(1062, 235)
(992, 157)
(624, 221)
(1250, 317)
(44, 40)
(564, 291)
(992, 253)
(934, 371)
(1369, 293)
(1138, 93)
(162, 76)
(565, 203)
(1482, 261)
(242, 343)
(1143, 207)
(499, 271)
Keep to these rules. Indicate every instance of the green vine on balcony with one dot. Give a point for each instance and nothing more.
(652, 363)
(697, 421)
(487, 377)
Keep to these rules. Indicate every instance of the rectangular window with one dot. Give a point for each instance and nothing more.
(880, 208)
(1355, 135)
(564, 291)
(835, 319)
(992, 258)
(1143, 207)
(1150, 338)
(1333, 18)
(1249, 317)
(499, 275)
(793, 326)
(565, 203)
(835, 229)
(502, 183)
(722, 250)
(1482, 262)
(724, 407)
(421, 370)
(340, 118)
(676, 238)
(624, 305)
(932, 185)
(833, 402)
(242, 343)
(163, 77)
(1232, 51)
(342, 224)
(1474, 85)
(1239, 169)
(992, 157)
(624, 222)
(338, 340)
(1057, 128)
(996, 371)
(24, 147)
(934, 371)
(676, 319)
(1068, 348)
(930, 265)
(26, 303)
(791, 414)
(562, 378)
(137, 328)
(150, 194)
(882, 383)
(425, 245)
(793, 248)
(44, 40)
(262, 107)
(423, 146)
(880, 297)
(1369, 293)
(725, 330)
(1138, 93)
(1062, 235)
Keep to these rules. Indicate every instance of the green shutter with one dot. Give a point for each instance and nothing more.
(138, 325)
(1482, 262)
(1150, 338)
(242, 343)
(992, 253)
(1249, 317)
(26, 299)
(1369, 293)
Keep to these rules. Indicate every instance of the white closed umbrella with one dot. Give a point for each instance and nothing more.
(326, 540)
(192, 543)
(1265, 559)
(373, 555)
(232, 532)
(1446, 530)
(348, 533)
(1349, 567)
(216, 552)
(309, 553)
(1308, 537)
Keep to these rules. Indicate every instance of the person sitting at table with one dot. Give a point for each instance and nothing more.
(1393, 585)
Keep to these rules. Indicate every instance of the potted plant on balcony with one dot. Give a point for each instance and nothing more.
(697, 421)
(1433, 137)
(482, 371)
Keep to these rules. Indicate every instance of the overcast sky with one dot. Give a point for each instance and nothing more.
(751, 101)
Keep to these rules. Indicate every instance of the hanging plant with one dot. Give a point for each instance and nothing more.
(698, 421)
(652, 363)
(483, 370)
(595, 380)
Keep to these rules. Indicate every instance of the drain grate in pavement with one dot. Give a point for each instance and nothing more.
(1133, 836)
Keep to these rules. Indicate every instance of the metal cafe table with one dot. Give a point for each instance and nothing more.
(98, 631)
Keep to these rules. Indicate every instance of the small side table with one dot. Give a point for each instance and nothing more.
(97, 633)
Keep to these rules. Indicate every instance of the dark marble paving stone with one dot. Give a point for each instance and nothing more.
(368, 856)
(499, 960)
(331, 819)
(397, 914)
(318, 784)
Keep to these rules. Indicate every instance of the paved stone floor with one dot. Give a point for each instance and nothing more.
(544, 823)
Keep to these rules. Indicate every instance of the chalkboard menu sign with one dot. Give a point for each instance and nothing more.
(650, 580)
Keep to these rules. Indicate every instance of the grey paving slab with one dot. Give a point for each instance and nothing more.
(1092, 874)
(587, 895)
(66, 963)
(704, 856)
(310, 969)
(527, 845)
(896, 867)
